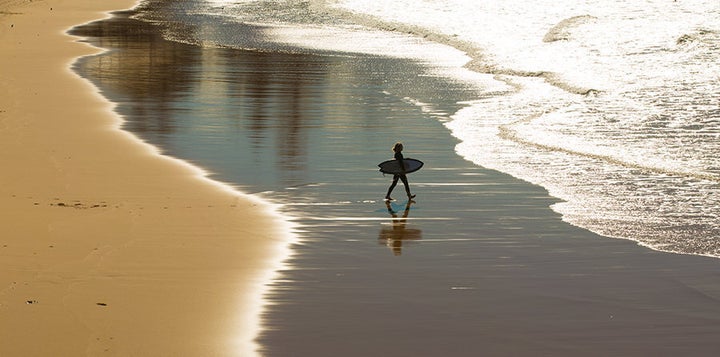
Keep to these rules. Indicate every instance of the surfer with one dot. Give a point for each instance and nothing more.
(398, 148)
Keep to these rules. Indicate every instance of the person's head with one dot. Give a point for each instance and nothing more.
(398, 147)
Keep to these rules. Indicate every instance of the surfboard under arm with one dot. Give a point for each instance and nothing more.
(393, 167)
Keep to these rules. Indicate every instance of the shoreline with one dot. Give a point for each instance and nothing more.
(107, 239)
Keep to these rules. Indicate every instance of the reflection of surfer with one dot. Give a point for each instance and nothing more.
(394, 236)
(398, 148)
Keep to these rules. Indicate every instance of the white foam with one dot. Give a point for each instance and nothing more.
(635, 157)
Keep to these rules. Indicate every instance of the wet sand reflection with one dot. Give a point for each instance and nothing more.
(394, 235)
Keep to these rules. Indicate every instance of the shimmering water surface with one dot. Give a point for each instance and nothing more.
(611, 106)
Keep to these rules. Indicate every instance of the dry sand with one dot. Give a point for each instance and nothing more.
(106, 246)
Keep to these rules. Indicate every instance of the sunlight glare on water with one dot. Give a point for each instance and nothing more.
(614, 107)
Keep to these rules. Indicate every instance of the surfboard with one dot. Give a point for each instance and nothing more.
(392, 167)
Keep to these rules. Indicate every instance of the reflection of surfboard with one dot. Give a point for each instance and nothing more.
(392, 166)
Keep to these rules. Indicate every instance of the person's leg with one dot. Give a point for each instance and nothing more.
(392, 186)
(407, 186)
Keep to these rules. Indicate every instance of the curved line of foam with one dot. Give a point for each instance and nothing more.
(478, 60)
(508, 133)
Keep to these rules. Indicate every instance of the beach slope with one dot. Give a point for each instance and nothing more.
(107, 246)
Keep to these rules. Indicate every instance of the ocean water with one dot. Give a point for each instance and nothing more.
(612, 106)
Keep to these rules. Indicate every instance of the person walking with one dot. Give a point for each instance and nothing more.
(398, 148)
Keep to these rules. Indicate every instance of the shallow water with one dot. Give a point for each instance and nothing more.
(615, 108)
(611, 106)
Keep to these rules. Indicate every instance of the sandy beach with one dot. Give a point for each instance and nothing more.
(106, 246)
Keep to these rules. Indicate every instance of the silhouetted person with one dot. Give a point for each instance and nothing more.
(398, 148)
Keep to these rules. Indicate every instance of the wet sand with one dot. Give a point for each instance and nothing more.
(478, 265)
(106, 246)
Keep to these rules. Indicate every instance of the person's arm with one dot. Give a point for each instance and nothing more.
(399, 157)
